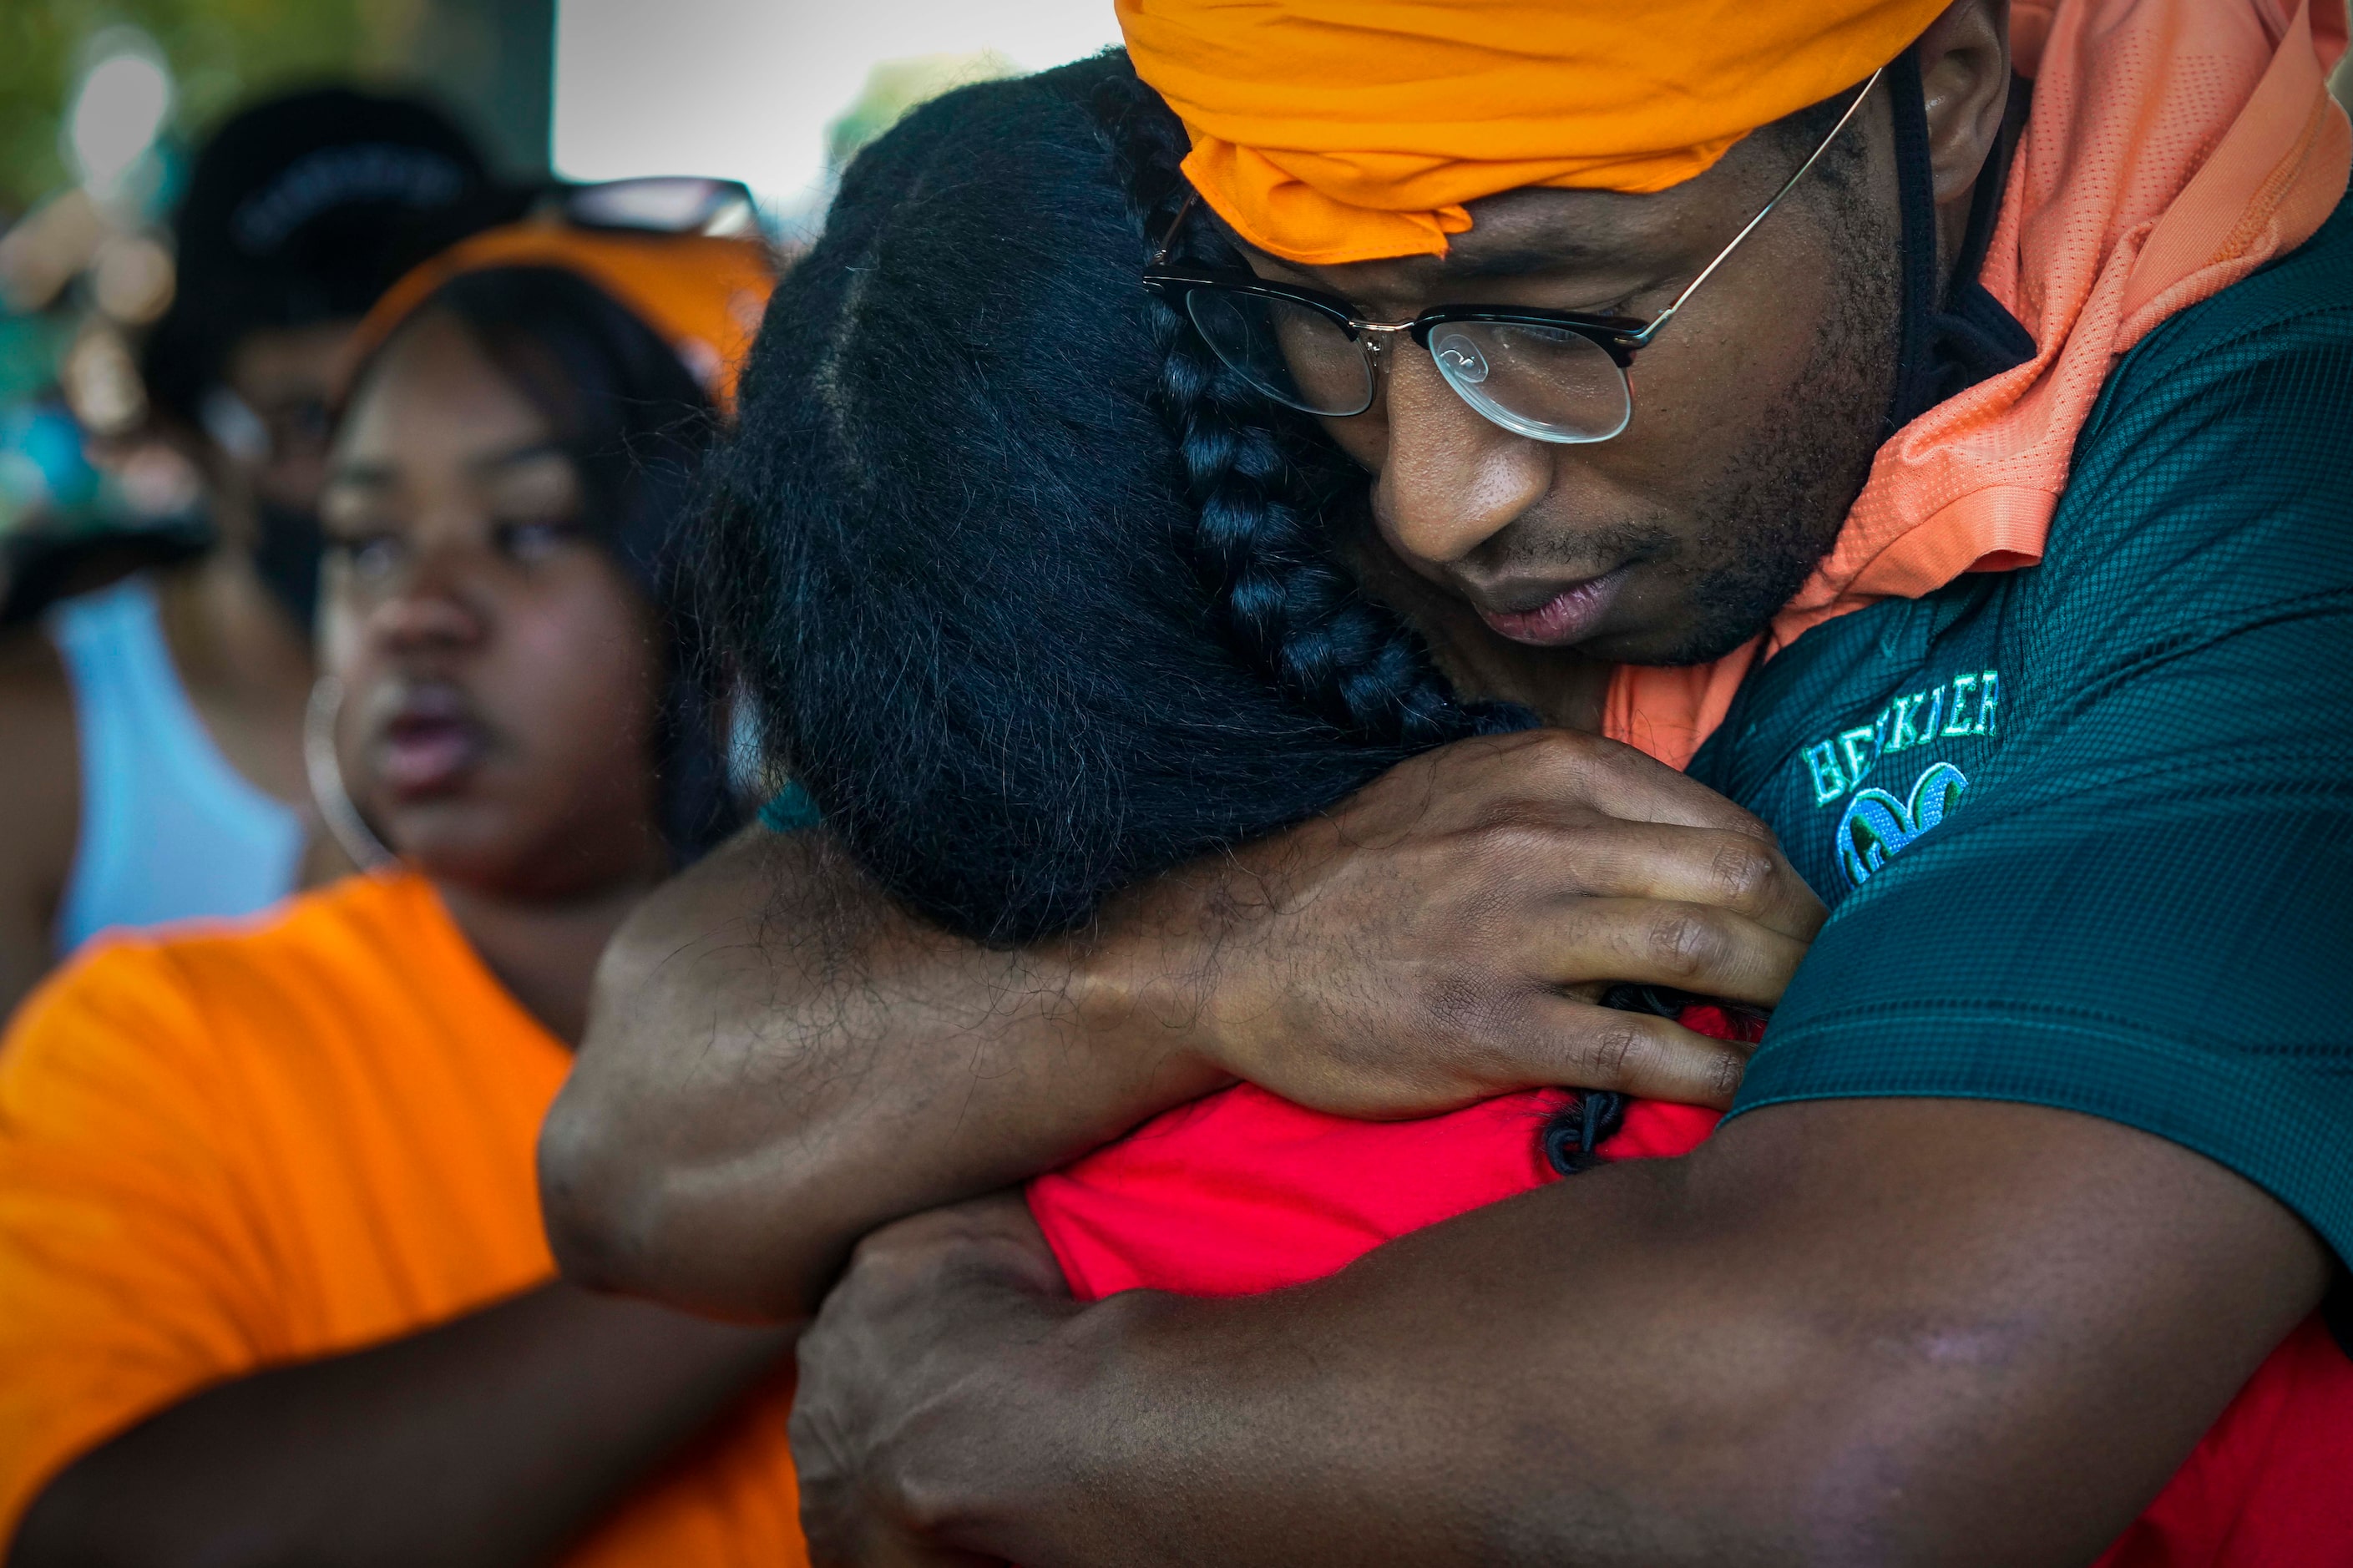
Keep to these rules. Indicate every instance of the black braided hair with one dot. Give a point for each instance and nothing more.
(1032, 596)
(1572, 1135)
(1264, 543)
(1270, 492)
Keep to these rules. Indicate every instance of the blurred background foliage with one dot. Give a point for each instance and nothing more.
(488, 59)
(220, 51)
(102, 103)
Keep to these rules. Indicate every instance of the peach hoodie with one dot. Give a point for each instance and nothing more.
(2174, 147)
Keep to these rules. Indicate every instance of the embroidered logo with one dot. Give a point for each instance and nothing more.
(1968, 706)
(1877, 825)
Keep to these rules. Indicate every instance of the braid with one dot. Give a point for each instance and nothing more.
(1266, 492)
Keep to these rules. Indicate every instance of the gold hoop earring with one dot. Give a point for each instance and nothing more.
(344, 821)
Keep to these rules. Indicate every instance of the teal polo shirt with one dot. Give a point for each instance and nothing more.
(2087, 828)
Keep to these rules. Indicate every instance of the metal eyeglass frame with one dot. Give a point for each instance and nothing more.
(1621, 337)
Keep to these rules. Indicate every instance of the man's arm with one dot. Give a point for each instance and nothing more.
(779, 1059)
(491, 1439)
(1871, 1331)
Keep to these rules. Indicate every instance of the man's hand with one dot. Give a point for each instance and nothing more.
(779, 1059)
(1445, 935)
(895, 1342)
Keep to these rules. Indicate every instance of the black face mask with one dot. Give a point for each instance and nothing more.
(286, 554)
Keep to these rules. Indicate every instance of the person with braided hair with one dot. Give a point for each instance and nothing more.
(1061, 725)
(2015, 1203)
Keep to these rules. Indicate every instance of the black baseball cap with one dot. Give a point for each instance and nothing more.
(305, 208)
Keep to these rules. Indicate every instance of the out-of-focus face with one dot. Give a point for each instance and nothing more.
(500, 673)
(284, 378)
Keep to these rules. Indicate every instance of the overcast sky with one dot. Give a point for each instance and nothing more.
(746, 87)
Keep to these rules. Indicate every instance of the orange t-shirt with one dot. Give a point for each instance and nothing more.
(236, 1147)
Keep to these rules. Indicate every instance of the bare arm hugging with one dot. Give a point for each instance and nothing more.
(781, 1060)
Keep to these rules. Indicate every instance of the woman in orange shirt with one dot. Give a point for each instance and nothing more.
(272, 1280)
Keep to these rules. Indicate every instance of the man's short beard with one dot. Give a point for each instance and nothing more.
(1779, 511)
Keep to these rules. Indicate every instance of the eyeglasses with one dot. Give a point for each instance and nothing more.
(1550, 375)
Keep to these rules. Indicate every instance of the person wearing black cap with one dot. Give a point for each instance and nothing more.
(157, 771)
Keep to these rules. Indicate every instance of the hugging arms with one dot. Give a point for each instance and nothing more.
(1967, 1275)
(1777, 1314)
(1420, 948)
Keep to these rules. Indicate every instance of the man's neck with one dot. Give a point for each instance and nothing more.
(544, 951)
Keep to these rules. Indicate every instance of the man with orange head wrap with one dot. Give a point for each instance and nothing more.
(1949, 471)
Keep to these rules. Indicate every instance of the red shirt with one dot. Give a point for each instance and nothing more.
(1243, 1192)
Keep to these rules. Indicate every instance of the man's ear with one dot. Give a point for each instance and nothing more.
(1965, 76)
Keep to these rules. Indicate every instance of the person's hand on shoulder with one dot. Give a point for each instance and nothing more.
(1446, 935)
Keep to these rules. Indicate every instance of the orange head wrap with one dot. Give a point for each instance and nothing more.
(700, 293)
(1332, 130)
